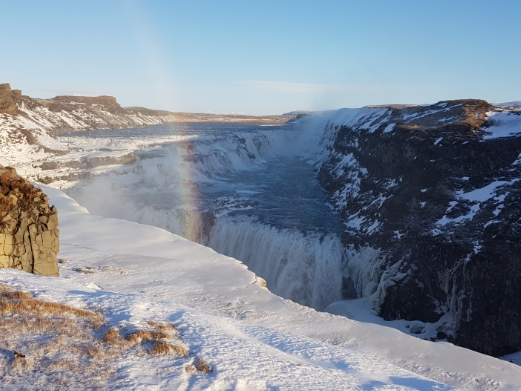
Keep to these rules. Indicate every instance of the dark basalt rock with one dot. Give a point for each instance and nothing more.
(407, 181)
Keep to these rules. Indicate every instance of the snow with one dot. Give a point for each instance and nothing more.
(373, 227)
(485, 193)
(361, 310)
(418, 114)
(252, 338)
(491, 222)
(389, 128)
(367, 119)
(477, 196)
(503, 125)
(469, 216)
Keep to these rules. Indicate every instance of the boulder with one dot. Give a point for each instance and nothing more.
(29, 236)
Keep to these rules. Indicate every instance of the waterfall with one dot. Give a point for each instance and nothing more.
(163, 189)
(303, 268)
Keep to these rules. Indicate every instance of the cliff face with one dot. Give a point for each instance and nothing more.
(431, 198)
(29, 236)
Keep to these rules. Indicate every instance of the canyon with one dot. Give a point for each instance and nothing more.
(428, 195)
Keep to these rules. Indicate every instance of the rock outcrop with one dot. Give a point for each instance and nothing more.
(7, 99)
(432, 205)
(29, 236)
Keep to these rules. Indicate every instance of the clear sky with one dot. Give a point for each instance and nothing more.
(263, 56)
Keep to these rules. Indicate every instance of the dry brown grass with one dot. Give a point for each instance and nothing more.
(164, 331)
(146, 335)
(113, 338)
(162, 347)
(164, 326)
(42, 339)
(68, 346)
(200, 366)
(18, 302)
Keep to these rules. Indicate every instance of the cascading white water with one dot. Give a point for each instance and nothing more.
(228, 190)
(303, 268)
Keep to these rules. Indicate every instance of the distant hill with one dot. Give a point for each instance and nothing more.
(510, 105)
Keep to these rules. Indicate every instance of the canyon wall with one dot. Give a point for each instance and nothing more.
(431, 198)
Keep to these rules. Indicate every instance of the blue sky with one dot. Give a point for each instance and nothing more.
(263, 57)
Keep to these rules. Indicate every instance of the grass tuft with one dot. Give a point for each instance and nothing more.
(146, 335)
(112, 337)
(200, 367)
(161, 347)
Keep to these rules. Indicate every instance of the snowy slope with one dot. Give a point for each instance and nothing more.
(243, 356)
(253, 339)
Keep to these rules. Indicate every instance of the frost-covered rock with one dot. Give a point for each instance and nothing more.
(430, 196)
(29, 236)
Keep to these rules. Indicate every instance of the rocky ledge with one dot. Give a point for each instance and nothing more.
(29, 236)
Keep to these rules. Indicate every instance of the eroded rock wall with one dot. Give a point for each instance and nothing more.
(29, 235)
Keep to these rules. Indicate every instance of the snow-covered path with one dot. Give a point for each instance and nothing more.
(253, 339)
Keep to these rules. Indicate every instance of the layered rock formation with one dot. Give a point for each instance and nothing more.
(29, 236)
(432, 204)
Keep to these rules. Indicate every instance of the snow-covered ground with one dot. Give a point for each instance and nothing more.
(253, 339)
(503, 124)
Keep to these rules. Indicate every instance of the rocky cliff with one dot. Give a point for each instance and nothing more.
(28, 226)
(431, 200)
